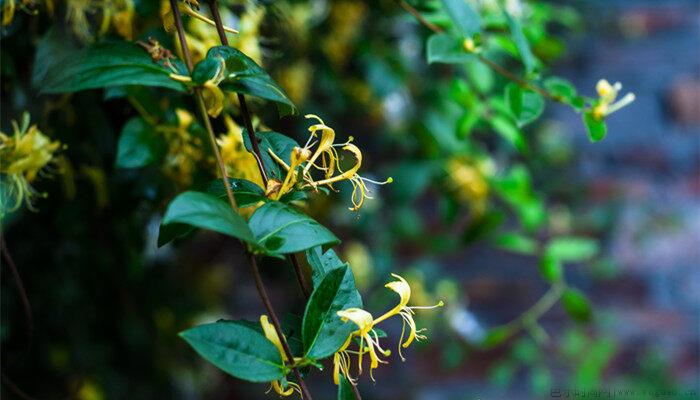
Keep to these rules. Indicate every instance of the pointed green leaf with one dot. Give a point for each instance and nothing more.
(208, 212)
(572, 249)
(516, 242)
(245, 192)
(447, 49)
(576, 305)
(101, 65)
(345, 391)
(525, 105)
(465, 19)
(509, 132)
(237, 349)
(279, 144)
(323, 331)
(139, 145)
(280, 229)
(322, 263)
(521, 42)
(243, 75)
(596, 129)
(550, 269)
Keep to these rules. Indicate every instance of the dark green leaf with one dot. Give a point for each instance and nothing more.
(243, 75)
(572, 249)
(576, 305)
(596, 129)
(323, 331)
(291, 327)
(207, 69)
(237, 349)
(465, 19)
(245, 192)
(446, 48)
(525, 105)
(170, 232)
(550, 269)
(139, 145)
(521, 42)
(206, 211)
(516, 242)
(345, 391)
(321, 263)
(103, 65)
(280, 144)
(280, 229)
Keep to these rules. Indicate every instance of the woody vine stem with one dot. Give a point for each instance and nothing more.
(222, 169)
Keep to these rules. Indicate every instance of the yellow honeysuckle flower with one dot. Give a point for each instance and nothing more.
(23, 156)
(326, 154)
(606, 104)
(367, 334)
(271, 335)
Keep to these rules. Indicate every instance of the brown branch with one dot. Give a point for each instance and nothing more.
(213, 6)
(212, 138)
(9, 262)
(495, 67)
(14, 389)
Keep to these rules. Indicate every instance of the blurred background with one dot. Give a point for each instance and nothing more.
(107, 302)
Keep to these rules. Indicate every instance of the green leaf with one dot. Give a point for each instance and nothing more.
(170, 232)
(208, 212)
(576, 305)
(516, 242)
(291, 327)
(245, 192)
(550, 269)
(280, 144)
(280, 229)
(322, 263)
(481, 76)
(139, 145)
(323, 331)
(521, 42)
(447, 49)
(573, 249)
(525, 105)
(207, 69)
(596, 129)
(561, 88)
(102, 65)
(243, 75)
(465, 19)
(237, 349)
(345, 391)
(508, 131)
(496, 336)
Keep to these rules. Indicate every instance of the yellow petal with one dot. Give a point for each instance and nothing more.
(360, 317)
(271, 335)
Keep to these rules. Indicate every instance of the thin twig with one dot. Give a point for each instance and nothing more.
(213, 6)
(13, 388)
(253, 264)
(497, 68)
(20, 288)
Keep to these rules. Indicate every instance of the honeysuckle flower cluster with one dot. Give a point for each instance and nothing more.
(24, 156)
(324, 159)
(606, 104)
(368, 336)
